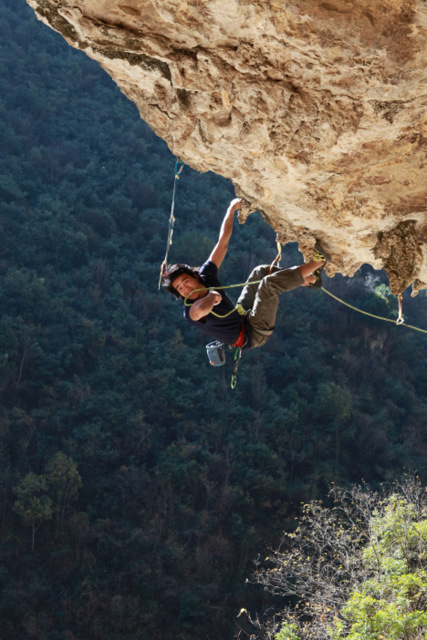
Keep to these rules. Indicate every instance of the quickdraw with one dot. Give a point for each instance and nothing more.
(237, 356)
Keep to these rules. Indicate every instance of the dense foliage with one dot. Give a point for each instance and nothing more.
(136, 488)
(355, 571)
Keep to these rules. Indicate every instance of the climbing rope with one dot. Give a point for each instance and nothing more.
(237, 308)
(238, 351)
(397, 322)
(179, 165)
(400, 320)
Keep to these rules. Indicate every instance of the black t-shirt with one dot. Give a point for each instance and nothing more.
(227, 329)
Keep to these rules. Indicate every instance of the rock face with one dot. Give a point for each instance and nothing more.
(317, 111)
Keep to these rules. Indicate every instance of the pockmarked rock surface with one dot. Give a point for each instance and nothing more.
(317, 111)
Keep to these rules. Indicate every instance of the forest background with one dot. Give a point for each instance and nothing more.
(137, 489)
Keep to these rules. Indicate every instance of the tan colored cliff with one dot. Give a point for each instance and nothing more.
(317, 111)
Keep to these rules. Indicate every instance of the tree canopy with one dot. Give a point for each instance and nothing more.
(356, 570)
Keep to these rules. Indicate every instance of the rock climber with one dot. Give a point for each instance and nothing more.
(259, 301)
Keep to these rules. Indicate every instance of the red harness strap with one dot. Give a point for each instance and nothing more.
(241, 339)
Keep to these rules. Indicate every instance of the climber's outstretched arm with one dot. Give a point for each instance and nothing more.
(220, 249)
(200, 308)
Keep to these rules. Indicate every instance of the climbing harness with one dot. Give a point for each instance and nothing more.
(216, 350)
(400, 320)
(179, 165)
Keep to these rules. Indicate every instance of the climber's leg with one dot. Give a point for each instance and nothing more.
(262, 300)
(262, 316)
(247, 297)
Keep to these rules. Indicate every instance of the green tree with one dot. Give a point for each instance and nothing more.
(333, 407)
(393, 602)
(64, 482)
(33, 503)
(355, 571)
(8, 351)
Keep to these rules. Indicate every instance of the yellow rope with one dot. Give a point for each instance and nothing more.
(371, 315)
(237, 308)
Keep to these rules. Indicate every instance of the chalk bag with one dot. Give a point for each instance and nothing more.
(216, 353)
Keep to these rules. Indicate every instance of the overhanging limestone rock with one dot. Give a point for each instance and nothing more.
(317, 111)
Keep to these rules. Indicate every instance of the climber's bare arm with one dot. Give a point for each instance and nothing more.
(200, 308)
(219, 252)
